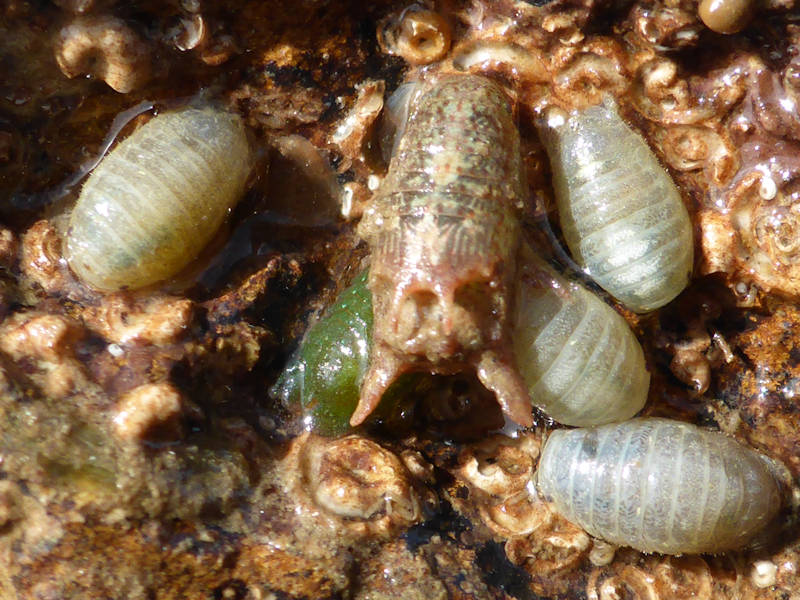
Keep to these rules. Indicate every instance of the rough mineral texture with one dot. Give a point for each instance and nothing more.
(141, 454)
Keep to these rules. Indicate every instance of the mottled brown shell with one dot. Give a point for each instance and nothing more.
(443, 234)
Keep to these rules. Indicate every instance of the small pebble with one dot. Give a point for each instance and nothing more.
(726, 16)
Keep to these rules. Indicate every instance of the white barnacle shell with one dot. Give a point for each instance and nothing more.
(158, 198)
(621, 214)
(580, 360)
(659, 485)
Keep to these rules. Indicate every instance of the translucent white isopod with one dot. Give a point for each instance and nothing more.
(158, 198)
(621, 214)
(580, 360)
(659, 485)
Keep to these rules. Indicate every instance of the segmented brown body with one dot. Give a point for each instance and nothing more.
(443, 234)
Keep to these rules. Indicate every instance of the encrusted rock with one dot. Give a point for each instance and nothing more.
(352, 133)
(10, 504)
(47, 342)
(690, 147)
(499, 466)
(8, 247)
(667, 27)
(121, 318)
(550, 554)
(588, 77)
(663, 578)
(112, 479)
(42, 260)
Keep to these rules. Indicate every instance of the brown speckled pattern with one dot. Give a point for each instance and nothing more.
(443, 234)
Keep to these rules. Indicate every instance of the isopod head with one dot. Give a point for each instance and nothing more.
(158, 198)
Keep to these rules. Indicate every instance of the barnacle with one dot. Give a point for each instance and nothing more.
(633, 581)
(661, 91)
(755, 239)
(589, 77)
(357, 481)
(419, 35)
(690, 147)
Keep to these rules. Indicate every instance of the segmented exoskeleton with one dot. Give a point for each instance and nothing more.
(621, 214)
(158, 198)
(443, 233)
(659, 485)
(581, 362)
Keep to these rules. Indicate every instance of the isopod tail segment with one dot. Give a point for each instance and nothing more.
(446, 337)
(495, 370)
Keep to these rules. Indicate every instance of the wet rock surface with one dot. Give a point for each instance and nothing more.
(141, 453)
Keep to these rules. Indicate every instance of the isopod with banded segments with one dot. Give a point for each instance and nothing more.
(621, 214)
(580, 360)
(659, 485)
(443, 233)
(158, 198)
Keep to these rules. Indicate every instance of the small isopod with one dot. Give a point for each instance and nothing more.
(158, 198)
(443, 233)
(621, 214)
(582, 363)
(659, 485)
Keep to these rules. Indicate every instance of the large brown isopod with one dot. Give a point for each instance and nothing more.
(581, 361)
(443, 232)
(621, 214)
(659, 485)
(158, 198)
